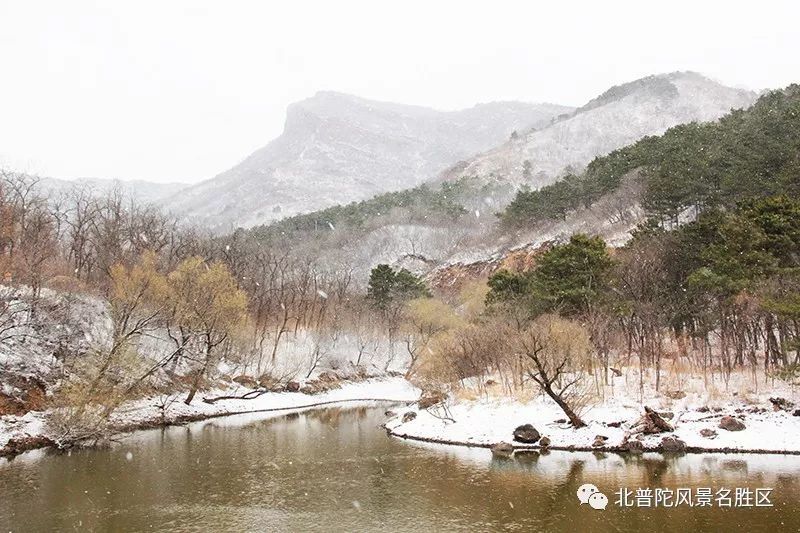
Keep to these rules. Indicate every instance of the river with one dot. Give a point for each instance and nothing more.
(337, 470)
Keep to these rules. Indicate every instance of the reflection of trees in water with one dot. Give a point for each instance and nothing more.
(526, 459)
(652, 469)
(735, 465)
(301, 466)
(334, 416)
(600, 456)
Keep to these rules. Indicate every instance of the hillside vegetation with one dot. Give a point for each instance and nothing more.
(442, 203)
(746, 154)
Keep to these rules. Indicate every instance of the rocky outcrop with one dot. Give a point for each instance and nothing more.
(452, 278)
(19, 445)
(21, 394)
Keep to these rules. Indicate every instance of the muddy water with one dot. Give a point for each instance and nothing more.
(336, 470)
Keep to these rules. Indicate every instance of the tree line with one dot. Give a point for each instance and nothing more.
(179, 301)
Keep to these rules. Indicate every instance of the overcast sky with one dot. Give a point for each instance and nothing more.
(182, 90)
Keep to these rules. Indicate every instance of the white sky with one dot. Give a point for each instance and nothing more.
(181, 90)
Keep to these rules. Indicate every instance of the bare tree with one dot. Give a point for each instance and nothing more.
(557, 349)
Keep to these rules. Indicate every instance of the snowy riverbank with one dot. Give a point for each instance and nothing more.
(146, 412)
(695, 420)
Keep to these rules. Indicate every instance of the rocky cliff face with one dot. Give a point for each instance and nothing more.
(618, 117)
(337, 148)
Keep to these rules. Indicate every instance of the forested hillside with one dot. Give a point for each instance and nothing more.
(746, 154)
(429, 203)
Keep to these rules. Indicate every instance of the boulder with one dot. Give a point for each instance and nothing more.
(409, 416)
(673, 444)
(730, 423)
(634, 446)
(292, 386)
(527, 434)
(544, 442)
(599, 440)
(390, 413)
(675, 394)
(781, 404)
(796, 412)
(502, 449)
(708, 433)
(21, 394)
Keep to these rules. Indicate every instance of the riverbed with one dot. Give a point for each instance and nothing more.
(336, 469)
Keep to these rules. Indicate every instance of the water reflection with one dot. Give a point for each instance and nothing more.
(336, 470)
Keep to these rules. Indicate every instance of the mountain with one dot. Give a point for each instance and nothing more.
(620, 116)
(336, 148)
(451, 222)
(141, 191)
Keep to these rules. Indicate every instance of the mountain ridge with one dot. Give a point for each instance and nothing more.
(337, 148)
(617, 117)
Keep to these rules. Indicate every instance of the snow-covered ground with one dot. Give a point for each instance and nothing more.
(147, 411)
(491, 420)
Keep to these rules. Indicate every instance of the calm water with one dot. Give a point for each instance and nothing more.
(336, 470)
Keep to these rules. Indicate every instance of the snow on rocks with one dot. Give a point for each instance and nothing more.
(730, 423)
(526, 433)
(483, 423)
